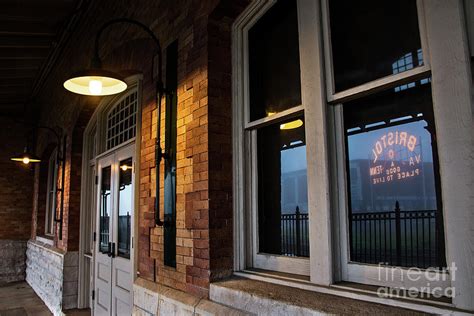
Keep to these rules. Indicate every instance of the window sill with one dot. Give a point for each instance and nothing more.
(280, 287)
(47, 240)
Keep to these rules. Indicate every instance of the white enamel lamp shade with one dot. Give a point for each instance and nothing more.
(97, 82)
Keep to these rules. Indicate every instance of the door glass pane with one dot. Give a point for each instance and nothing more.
(282, 189)
(274, 61)
(395, 212)
(125, 206)
(105, 209)
(373, 39)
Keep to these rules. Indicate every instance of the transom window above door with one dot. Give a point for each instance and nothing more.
(122, 120)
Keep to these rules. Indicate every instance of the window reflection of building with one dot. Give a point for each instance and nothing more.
(294, 191)
(406, 62)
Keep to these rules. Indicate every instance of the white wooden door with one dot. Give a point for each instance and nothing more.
(102, 258)
(122, 278)
(114, 244)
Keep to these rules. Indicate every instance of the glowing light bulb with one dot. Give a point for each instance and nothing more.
(124, 167)
(26, 160)
(95, 87)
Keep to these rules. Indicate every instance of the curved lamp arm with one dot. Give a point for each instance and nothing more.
(60, 153)
(96, 62)
(160, 91)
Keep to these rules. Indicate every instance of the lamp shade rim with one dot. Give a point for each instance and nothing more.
(96, 82)
(97, 72)
(31, 157)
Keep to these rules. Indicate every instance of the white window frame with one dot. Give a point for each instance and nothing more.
(51, 185)
(244, 132)
(361, 272)
(443, 32)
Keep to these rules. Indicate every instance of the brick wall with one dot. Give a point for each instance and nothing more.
(16, 183)
(204, 170)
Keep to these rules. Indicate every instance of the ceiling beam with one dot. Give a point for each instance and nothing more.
(15, 81)
(26, 41)
(20, 63)
(26, 28)
(23, 53)
(18, 73)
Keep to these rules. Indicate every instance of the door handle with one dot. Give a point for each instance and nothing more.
(111, 250)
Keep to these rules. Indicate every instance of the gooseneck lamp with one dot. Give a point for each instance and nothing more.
(99, 82)
(28, 157)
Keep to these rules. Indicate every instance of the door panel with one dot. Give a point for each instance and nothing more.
(122, 279)
(103, 262)
(114, 248)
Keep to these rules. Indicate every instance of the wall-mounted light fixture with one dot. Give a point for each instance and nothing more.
(28, 157)
(97, 81)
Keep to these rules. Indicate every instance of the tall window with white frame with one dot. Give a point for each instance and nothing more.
(380, 91)
(51, 193)
(274, 131)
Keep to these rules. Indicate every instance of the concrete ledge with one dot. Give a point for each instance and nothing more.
(264, 298)
(13, 260)
(52, 274)
(150, 298)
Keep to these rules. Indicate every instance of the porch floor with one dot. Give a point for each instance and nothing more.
(19, 299)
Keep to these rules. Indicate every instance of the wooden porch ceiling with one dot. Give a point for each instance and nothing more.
(30, 32)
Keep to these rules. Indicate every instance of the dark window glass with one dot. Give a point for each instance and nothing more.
(105, 210)
(282, 194)
(373, 39)
(274, 62)
(170, 163)
(125, 209)
(395, 208)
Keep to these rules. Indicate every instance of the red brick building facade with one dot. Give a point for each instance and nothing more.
(206, 232)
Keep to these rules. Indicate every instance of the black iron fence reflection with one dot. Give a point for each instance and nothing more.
(124, 235)
(399, 238)
(294, 234)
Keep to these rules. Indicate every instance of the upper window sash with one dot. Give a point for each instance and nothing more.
(370, 87)
(263, 7)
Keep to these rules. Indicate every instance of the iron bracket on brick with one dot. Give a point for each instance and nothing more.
(160, 92)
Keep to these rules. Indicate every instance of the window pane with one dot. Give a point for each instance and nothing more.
(121, 122)
(395, 212)
(282, 191)
(169, 226)
(373, 39)
(105, 199)
(125, 208)
(274, 62)
(51, 198)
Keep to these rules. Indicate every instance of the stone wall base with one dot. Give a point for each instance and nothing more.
(12, 260)
(52, 274)
(153, 299)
